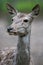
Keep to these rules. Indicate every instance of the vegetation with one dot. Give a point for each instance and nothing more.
(21, 5)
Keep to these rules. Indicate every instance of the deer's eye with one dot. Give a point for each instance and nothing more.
(12, 19)
(25, 20)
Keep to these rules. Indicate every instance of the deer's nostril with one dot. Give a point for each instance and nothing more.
(9, 29)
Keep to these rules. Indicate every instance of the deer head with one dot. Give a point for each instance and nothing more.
(21, 22)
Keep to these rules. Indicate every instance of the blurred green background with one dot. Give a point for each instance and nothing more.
(21, 5)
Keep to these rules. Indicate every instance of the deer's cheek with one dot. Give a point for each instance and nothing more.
(21, 30)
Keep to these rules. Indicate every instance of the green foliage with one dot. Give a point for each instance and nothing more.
(27, 5)
(2, 5)
(21, 5)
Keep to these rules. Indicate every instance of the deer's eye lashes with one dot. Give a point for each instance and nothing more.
(25, 20)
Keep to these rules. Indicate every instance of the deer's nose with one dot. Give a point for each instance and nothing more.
(9, 29)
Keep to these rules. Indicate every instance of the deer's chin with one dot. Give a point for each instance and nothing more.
(22, 33)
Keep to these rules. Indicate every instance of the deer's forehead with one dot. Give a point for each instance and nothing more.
(20, 15)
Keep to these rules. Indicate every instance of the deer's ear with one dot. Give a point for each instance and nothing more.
(11, 10)
(35, 10)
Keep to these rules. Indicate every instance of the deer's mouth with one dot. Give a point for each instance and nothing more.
(12, 33)
(17, 33)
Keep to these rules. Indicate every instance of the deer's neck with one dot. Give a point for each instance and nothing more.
(24, 42)
(23, 48)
